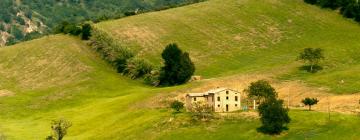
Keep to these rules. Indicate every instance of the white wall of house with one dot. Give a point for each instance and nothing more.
(227, 101)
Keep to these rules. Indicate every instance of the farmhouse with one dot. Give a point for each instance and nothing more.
(221, 99)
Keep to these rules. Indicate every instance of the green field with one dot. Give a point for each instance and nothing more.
(60, 77)
(242, 36)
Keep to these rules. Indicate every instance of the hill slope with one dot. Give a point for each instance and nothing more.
(241, 36)
(60, 77)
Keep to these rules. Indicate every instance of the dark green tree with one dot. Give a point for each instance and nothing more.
(312, 56)
(178, 67)
(274, 117)
(261, 90)
(310, 101)
(177, 105)
(59, 129)
(86, 31)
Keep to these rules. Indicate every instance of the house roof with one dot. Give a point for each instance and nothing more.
(213, 91)
(197, 94)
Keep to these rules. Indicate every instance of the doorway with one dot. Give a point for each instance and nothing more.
(227, 108)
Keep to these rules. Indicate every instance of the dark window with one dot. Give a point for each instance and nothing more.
(194, 98)
(227, 97)
(235, 105)
(227, 92)
(218, 98)
(236, 98)
(218, 105)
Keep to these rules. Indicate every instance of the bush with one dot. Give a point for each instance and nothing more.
(202, 111)
(152, 78)
(137, 68)
(177, 105)
(59, 129)
(311, 1)
(86, 31)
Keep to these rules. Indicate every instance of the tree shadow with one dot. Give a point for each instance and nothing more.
(315, 68)
(273, 131)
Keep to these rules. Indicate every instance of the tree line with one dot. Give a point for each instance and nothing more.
(348, 8)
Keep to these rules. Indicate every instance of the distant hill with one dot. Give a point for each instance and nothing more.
(27, 19)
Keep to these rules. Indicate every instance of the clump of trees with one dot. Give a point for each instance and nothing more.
(310, 102)
(312, 57)
(273, 116)
(348, 8)
(59, 129)
(178, 67)
(83, 30)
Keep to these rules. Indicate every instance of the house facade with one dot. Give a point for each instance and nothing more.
(220, 99)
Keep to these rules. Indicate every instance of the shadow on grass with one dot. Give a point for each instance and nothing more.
(314, 69)
(272, 130)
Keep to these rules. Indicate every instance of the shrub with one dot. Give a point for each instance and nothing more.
(312, 56)
(202, 111)
(86, 31)
(311, 1)
(177, 105)
(152, 78)
(59, 129)
(137, 68)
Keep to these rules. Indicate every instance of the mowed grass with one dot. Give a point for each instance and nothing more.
(243, 36)
(338, 128)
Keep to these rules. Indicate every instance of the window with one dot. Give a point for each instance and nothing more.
(218, 105)
(236, 98)
(235, 105)
(194, 98)
(227, 92)
(227, 97)
(218, 98)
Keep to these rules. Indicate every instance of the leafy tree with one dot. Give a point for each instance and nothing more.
(261, 89)
(312, 57)
(274, 117)
(272, 114)
(177, 105)
(309, 102)
(59, 129)
(178, 67)
(86, 31)
(332, 4)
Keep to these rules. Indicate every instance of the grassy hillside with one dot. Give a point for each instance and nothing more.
(242, 36)
(60, 77)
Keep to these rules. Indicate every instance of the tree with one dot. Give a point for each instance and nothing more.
(86, 31)
(274, 117)
(309, 102)
(177, 105)
(178, 67)
(261, 89)
(59, 129)
(312, 57)
(272, 114)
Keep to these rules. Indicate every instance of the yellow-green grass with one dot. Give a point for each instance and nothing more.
(241, 36)
(102, 104)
